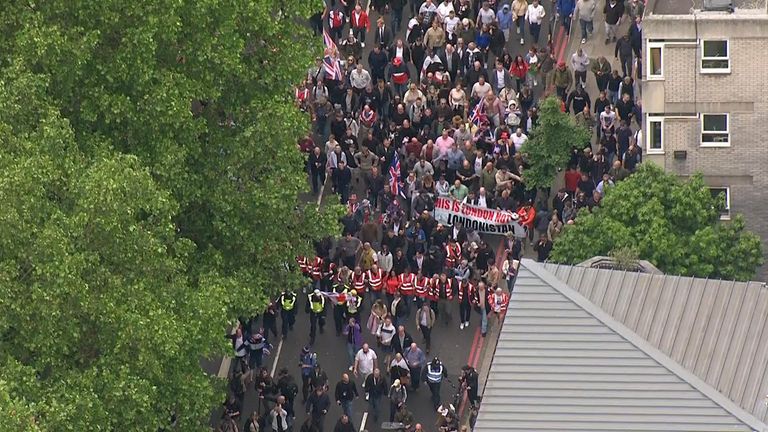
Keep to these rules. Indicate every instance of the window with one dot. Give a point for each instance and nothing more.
(655, 62)
(725, 192)
(715, 56)
(714, 130)
(654, 131)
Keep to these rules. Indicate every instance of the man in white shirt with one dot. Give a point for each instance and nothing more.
(359, 78)
(518, 139)
(365, 362)
(485, 16)
(481, 89)
(579, 64)
(444, 10)
(534, 16)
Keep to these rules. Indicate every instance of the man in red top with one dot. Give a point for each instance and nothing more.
(360, 23)
(572, 178)
(498, 302)
(376, 278)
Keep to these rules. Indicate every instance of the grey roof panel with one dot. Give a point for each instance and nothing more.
(562, 364)
(717, 330)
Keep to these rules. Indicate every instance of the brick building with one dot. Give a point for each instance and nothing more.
(705, 99)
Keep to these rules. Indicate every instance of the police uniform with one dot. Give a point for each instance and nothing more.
(287, 302)
(435, 372)
(316, 309)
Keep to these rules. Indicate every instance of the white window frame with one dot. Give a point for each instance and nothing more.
(649, 76)
(726, 131)
(649, 136)
(702, 58)
(727, 189)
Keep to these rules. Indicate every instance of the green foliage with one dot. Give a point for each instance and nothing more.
(134, 228)
(624, 258)
(549, 148)
(673, 224)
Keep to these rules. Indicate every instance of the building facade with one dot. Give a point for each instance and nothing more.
(705, 100)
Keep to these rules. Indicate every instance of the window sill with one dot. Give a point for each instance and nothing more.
(655, 152)
(725, 217)
(654, 78)
(715, 71)
(715, 145)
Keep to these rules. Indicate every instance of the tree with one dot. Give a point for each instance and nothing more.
(551, 144)
(672, 223)
(149, 179)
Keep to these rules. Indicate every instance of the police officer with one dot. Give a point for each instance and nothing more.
(287, 302)
(435, 372)
(316, 309)
(353, 302)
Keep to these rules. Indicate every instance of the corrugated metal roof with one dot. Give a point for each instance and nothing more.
(715, 329)
(563, 364)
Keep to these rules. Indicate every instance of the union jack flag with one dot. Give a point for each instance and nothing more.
(328, 41)
(394, 176)
(335, 298)
(478, 114)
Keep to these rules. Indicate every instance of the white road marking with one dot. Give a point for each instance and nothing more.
(277, 357)
(322, 190)
(362, 423)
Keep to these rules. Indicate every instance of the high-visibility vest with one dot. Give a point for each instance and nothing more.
(376, 279)
(470, 292)
(358, 282)
(448, 287)
(434, 375)
(421, 285)
(317, 269)
(406, 283)
(303, 264)
(287, 301)
(316, 304)
(452, 254)
(353, 303)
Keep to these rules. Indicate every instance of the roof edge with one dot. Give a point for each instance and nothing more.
(602, 316)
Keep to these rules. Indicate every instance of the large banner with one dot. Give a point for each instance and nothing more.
(449, 211)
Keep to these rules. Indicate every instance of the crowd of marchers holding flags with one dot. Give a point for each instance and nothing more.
(399, 140)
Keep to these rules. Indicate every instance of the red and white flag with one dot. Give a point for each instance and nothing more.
(334, 297)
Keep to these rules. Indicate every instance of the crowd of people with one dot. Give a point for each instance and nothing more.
(442, 111)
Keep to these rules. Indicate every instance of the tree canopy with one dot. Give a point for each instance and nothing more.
(551, 143)
(673, 223)
(149, 179)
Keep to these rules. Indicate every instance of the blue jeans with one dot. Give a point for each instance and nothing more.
(374, 403)
(535, 30)
(351, 351)
(346, 407)
(586, 28)
(567, 24)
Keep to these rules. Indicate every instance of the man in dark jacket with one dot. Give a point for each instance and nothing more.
(577, 100)
(346, 392)
(342, 177)
(317, 406)
(623, 53)
(401, 341)
(376, 387)
(377, 62)
(316, 167)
